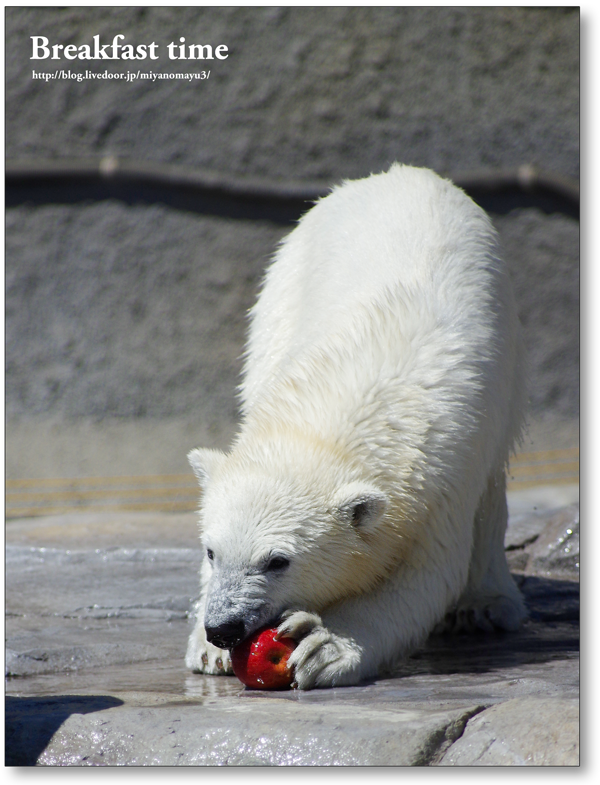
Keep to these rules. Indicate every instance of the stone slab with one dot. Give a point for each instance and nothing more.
(157, 713)
(521, 732)
(97, 628)
(240, 732)
(71, 609)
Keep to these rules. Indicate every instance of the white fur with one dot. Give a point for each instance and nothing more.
(383, 392)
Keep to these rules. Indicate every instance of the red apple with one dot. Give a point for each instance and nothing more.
(260, 661)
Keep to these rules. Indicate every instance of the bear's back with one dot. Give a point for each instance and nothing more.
(405, 229)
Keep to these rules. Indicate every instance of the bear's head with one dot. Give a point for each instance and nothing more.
(286, 532)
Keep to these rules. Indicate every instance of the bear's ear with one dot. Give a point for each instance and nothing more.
(204, 463)
(360, 504)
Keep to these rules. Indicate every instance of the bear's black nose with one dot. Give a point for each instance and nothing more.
(227, 635)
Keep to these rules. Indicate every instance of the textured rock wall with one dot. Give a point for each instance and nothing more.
(137, 311)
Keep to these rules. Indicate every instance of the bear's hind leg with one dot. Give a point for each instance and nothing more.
(491, 599)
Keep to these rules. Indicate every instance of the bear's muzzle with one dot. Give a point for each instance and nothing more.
(226, 635)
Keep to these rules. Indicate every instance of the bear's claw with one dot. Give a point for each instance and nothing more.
(484, 614)
(203, 657)
(297, 624)
(321, 658)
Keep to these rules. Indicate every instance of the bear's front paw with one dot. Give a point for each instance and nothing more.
(203, 657)
(321, 658)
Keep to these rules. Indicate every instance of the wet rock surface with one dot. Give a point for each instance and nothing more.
(96, 635)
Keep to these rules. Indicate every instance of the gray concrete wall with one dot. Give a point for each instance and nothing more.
(125, 323)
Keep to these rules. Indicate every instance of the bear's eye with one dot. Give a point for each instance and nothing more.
(210, 554)
(277, 563)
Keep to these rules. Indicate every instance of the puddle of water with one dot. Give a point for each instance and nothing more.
(162, 678)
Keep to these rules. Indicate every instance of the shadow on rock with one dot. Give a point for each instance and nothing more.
(551, 633)
(31, 722)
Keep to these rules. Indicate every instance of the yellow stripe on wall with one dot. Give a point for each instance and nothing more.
(152, 493)
(548, 467)
(179, 492)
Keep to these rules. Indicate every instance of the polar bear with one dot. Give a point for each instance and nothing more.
(363, 503)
